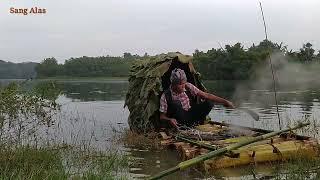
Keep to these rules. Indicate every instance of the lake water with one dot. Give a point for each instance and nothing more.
(97, 113)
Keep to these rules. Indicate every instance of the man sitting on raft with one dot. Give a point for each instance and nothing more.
(177, 102)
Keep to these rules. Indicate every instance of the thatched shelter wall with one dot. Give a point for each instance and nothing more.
(148, 79)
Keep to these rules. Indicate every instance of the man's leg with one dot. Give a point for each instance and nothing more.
(199, 111)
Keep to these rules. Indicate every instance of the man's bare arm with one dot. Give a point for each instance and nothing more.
(172, 121)
(215, 98)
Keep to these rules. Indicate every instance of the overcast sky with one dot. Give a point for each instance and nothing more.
(73, 28)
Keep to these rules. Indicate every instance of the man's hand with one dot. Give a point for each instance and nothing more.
(173, 122)
(229, 104)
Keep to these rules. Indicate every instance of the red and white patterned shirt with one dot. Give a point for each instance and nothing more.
(182, 97)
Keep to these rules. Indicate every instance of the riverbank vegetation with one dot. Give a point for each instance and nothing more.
(31, 149)
(59, 162)
(150, 141)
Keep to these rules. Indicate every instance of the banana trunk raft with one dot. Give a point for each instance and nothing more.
(191, 143)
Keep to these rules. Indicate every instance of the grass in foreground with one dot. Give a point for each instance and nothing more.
(25, 117)
(29, 163)
(298, 169)
(61, 163)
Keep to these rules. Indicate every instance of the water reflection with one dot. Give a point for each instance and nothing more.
(294, 104)
(146, 163)
(94, 91)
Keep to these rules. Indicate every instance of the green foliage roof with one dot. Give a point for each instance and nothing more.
(146, 85)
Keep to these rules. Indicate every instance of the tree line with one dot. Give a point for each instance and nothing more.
(233, 62)
(236, 63)
(104, 66)
(9, 70)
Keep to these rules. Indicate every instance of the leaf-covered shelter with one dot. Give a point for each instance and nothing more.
(148, 79)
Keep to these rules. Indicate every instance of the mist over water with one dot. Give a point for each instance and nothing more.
(288, 76)
(292, 82)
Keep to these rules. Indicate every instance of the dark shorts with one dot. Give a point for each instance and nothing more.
(194, 116)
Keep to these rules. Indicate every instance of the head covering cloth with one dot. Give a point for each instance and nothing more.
(177, 76)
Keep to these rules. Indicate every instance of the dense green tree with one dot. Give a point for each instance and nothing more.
(97, 66)
(128, 56)
(306, 53)
(48, 67)
(233, 61)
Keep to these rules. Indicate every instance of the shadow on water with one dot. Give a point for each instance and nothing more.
(147, 162)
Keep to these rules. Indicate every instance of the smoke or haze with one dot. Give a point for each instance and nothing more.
(290, 78)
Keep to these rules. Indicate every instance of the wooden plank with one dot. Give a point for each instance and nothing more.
(164, 135)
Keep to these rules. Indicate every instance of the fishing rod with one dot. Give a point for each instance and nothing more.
(271, 67)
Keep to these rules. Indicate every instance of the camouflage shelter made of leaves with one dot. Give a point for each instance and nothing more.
(148, 79)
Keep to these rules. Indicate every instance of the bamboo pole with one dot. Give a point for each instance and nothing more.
(201, 145)
(196, 160)
(241, 127)
(299, 137)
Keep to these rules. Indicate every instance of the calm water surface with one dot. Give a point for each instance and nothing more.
(98, 113)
